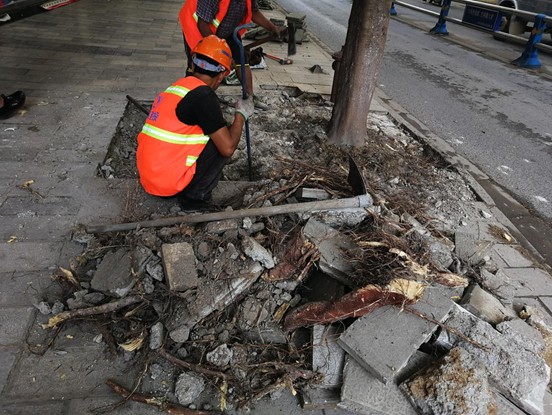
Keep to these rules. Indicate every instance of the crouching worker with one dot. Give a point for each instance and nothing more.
(185, 142)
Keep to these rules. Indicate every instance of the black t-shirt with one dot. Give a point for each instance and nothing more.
(201, 107)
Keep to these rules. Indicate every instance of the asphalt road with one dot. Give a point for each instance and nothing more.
(496, 115)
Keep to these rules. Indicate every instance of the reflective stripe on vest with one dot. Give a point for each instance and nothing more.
(190, 160)
(215, 22)
(174, 138)
(177, 90)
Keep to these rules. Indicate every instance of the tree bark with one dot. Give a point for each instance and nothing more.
(358, 72)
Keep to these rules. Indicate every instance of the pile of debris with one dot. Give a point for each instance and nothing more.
(352, 307)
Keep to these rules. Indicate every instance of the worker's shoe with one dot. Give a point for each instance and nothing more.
(194, 205)
(11, 103)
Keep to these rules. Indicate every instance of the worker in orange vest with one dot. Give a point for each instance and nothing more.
(185, 142)
(200, 18)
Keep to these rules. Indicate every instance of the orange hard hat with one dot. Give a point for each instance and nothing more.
(215, 48)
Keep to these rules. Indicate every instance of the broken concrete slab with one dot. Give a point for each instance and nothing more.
(470, 248)
(113, 276)
(330, 244)
(530, 282)
(180, 266)
(328, 357)
(440, 251)
(527, 336)
(519, 374)
(384, 352)
(512, 256)
(505, 407)
(499, 284)
(257, 252)
(363, 393)
(455, 384)
(485, 306)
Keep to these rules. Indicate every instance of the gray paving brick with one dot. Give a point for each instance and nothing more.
(327, 356)
(384, 340)
(14, 324)
(46, 228)
(29, 256)
(19, 289)
(530, 282)
(50, 206)
(42, 408)
(79, 373)
(7, 360)
(512, 255)
(365, 394)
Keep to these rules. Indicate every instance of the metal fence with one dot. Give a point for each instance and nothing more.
(529, 57)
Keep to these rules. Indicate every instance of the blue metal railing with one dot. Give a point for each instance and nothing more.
(528, 59)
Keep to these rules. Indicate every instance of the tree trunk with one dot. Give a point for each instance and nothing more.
(359, 69)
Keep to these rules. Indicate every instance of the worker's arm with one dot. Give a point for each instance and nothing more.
(226, 139)
(259, 19)
(204, 28)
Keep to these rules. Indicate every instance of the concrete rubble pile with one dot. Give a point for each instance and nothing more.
(370, 310)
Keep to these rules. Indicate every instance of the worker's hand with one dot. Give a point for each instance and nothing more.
(279, 31)
(245, 107)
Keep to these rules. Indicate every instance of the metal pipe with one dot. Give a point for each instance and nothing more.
(419, 9)
(334, 204)
(138, 105)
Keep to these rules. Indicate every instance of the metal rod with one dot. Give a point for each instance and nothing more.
(419, 9)
(244, 95)
(138, 105)
(334, 204)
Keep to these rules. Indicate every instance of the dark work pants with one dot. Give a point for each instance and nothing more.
(209, 167)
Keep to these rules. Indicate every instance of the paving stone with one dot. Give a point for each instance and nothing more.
(328, 357)
(35, 228)
(363, 393)
(79, 373)
(485, 306)
(470, 248)
(42, 408)
(319, 398)
(499, 284)
(21, 289)
(512, 255)
(29, 256)
(455, 384)
(50, 206)
(88, 405)
(526, 335)
(7, 359)
(330, 243)
(384, 340)
(180, 266)
(516, 372)
(530, 282)
(14, 324)
(113, 276)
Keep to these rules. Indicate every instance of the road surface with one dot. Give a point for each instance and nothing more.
(496, 115)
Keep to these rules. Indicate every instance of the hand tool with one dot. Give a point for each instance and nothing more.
(280, 60)
(138, 105)
(292, 47)
(244, 92)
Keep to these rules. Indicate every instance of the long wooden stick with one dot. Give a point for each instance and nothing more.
(195, 368)
(160, 402)
(91, 311)
(448, 328)
(353, 202)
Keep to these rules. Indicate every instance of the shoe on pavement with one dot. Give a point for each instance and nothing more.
(11, 103)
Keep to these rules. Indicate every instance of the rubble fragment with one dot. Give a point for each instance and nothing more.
(456, 384)
(156, 336)
(221, 356)
(113, 276)
(328, 357)
(180, 266)
(257, 252)
(218, 228)
(188, 387)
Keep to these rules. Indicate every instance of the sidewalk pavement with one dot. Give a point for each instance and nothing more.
(76, 65)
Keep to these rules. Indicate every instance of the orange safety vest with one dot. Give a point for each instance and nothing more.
(188, 20)
(168, 148)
